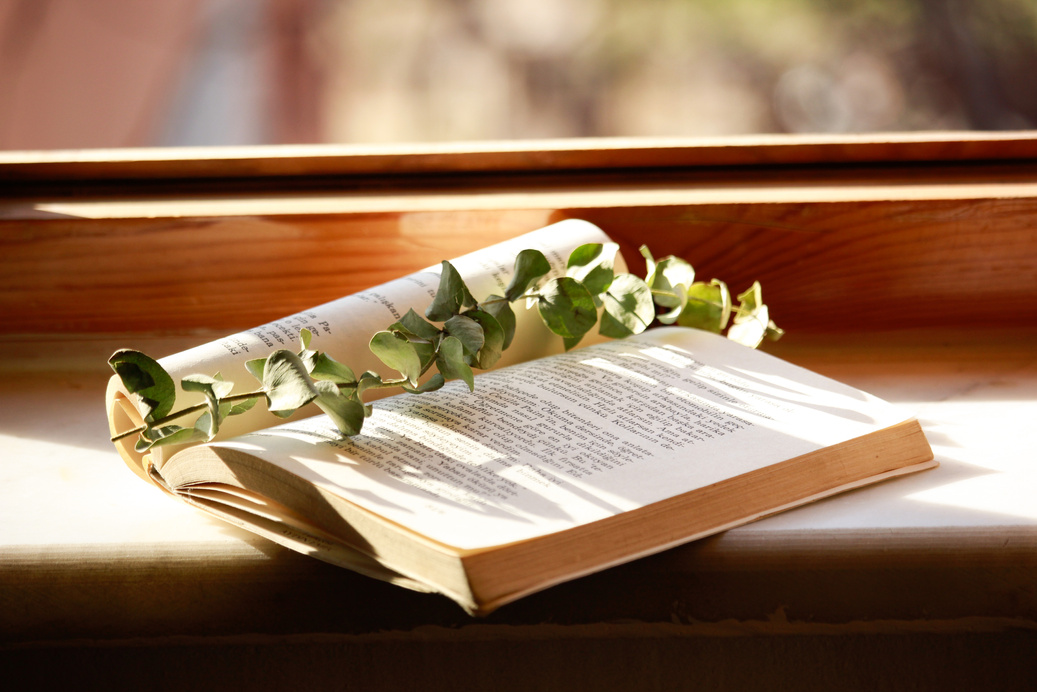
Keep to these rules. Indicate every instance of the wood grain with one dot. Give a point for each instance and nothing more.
(845, 235)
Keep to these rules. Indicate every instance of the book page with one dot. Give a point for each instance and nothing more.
(344, 327)
(566, 440)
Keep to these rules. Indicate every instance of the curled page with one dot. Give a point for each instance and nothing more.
(343, 328)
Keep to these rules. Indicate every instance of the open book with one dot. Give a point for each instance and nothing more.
(555, 467)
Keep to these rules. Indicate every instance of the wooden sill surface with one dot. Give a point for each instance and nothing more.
(89, 551)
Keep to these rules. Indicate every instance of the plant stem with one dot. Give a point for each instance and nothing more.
(198, 408)
(491, 301)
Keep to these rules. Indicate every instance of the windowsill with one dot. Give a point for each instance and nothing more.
(88, 551)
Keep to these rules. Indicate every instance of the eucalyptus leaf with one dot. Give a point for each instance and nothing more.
(629, 308)
(750, 329)
(451, 297)
(505, 316)
(240, 407)
(287, 384)
(592, 264)
(748, 301)
(214, 389)
(649, 261)
(415, 324)
(369, 380)
(426, 353)
(680, 293)
(708, 307)
(468, 332)
(610, 327)
(567, 307)
(493, 339)
(164, 435)
(667, 275)
(255, 367)
(346, 412)
(306, 354)
(144, 377)
(752, 323)
(327, 368)
(451, 364)
(571, 342)
(530, 267)
(396, 351)
(207, 425)
(432, 384)
(308, 358)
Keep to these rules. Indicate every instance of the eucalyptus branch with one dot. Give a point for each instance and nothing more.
(456, 335)
(197, 408)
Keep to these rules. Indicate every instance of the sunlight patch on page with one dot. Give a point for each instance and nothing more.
(536, 480)
(439, 438)
(670, 355)
(618, 370)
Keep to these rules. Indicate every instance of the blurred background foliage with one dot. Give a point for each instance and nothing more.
(105, 73)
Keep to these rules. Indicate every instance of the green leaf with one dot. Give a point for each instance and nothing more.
(346, 412)
(368, 380)
(288, 386)
(629, 308)
(680, 291)
(256, 367)
(207, 425)
(242, 406)
(452, 295)
(214, 389)
(308, 358)
(751, 329)
(165, 435)
(708, 307)
(504, 315)
(666, 276)
(327, 368)
(749, 300)
(592, 264)
(774, 332)
(493, 338)
(143, 376)
(397, 352)
(752, 319)
(426, 352)
(649, 261)
(415, 325)
(432, 384)
(530, 266)
(468, 331)
(567, 307)
(450, 362)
